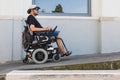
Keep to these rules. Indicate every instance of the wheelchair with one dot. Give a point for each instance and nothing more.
(39, 46)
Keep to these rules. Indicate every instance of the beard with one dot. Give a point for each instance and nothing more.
(36, 14)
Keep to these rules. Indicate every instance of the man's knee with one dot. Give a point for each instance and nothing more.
(59, 36)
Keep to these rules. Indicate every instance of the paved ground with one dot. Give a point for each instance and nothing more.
(7, 67)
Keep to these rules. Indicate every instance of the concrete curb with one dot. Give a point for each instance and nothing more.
(63, 75)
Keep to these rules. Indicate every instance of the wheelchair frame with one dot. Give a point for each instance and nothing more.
(42, 50)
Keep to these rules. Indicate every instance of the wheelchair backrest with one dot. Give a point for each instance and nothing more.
(31, 32)
(26, 38)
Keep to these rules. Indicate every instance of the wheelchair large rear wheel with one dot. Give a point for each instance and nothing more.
(40, 56)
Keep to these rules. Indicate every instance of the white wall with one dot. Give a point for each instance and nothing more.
(6, 40)
(111, 8)
(80, 35)
(14, 7)
(10, 39)
(105, 8)
(96, 8)
(110, 36)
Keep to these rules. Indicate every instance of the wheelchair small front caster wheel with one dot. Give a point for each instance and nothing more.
(56, 57)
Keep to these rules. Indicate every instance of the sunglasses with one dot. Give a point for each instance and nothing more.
(36, 9)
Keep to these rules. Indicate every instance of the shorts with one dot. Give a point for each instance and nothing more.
(56, 33)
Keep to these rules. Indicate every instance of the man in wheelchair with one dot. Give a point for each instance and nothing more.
(37, 29)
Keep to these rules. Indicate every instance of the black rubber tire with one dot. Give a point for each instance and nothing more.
(40, 56)
(56, 57)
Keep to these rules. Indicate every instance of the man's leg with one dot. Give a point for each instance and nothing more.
(60, 45)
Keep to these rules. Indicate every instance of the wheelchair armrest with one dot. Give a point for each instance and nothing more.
(39, 32)
(42, 33)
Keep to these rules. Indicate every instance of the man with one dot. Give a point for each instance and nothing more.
(36, 26)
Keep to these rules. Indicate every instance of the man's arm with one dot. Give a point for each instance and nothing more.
(33, 28)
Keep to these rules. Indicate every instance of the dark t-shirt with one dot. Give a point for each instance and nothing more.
(32, 20)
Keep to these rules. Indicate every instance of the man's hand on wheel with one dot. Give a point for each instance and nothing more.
(49, 28)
